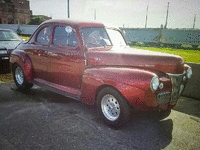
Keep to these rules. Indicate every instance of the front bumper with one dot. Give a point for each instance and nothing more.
(2, 58)
(178, 85)
(4, 54)
(4, 62)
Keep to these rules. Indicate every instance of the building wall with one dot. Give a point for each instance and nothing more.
(15, 12)
(170, 37)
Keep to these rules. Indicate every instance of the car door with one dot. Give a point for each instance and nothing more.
(67, 59)
(37, 51)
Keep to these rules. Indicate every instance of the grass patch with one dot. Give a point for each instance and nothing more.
(25, 37)
(6, 78)
(188, 55)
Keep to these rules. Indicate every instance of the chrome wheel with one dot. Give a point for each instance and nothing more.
(110, 107)
(19, 76)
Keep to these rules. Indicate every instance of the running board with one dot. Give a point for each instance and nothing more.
(59, 89)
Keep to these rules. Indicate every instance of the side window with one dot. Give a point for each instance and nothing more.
(44, 35)
(64, 36)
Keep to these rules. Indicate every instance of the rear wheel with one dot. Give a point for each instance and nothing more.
(113, 107)
(19, 78)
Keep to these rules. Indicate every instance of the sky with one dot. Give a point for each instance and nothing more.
(124, 13)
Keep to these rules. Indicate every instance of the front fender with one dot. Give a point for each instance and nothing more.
(21, 58)
(133, 84)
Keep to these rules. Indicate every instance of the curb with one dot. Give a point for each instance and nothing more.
(192, 88)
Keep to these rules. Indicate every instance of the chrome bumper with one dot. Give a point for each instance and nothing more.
(177, 88)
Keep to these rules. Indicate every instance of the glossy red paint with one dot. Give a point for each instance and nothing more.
(21, 58)
(137, 58)
(81, 72)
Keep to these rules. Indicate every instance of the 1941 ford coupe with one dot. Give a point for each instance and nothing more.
(88, 62)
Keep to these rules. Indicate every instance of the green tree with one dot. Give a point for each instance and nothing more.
(36, 20)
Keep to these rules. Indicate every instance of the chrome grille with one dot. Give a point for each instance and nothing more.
(177, 87)
(163, 98)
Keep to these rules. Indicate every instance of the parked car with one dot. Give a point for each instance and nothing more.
(91, 63)
(8, 41)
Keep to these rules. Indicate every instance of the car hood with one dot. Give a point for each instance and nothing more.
(9, 44)
(131, 57)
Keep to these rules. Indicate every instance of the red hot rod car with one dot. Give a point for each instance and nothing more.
(88, 62)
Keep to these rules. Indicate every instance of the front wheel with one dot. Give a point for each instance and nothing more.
(113, 107)
(19, 78)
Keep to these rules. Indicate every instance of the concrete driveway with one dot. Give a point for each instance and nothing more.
(39, 119)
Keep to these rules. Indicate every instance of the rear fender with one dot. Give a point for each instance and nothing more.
(21, 58)
(133, 84)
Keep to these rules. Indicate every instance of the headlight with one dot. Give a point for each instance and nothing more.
(154, 83)
(189, 73)
(3, 51)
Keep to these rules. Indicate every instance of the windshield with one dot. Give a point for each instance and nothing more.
(8, 35)
(95, 36)
(116, 38)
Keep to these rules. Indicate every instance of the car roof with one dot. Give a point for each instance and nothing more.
(77, 23)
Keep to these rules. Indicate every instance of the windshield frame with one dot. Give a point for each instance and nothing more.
(116, 29)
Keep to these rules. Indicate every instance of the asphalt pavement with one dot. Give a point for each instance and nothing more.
(40, 119)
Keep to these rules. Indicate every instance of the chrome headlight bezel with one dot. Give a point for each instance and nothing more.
(154, 83)
(189, 72)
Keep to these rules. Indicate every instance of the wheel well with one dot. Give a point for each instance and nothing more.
(12, 69)
(102, 87)
(28, 78)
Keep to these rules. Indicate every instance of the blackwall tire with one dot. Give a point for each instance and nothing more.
(19, 78)
(113, 108)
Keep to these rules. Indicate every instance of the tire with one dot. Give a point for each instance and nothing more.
(113, 108)
(19, 78)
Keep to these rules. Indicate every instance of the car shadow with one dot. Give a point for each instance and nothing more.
(142, 132)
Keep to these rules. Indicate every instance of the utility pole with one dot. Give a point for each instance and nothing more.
(146, 16)
(95, 16)
(68, 8)
(95, 13)
(167, 16)
(194, 21)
